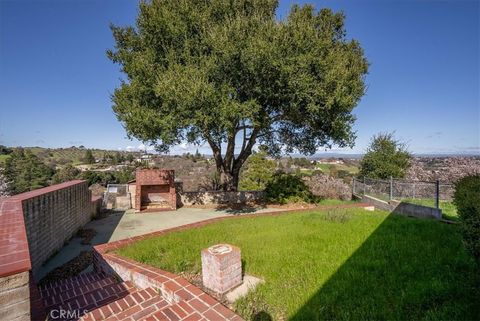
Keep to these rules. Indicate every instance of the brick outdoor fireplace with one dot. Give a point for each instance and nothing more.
(155, 190)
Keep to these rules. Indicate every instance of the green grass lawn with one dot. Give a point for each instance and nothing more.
(335, 265)
(327, 168)
(3, 158)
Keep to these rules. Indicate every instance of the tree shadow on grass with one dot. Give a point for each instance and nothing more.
(262, 316)
(408, 269)
(240, 208)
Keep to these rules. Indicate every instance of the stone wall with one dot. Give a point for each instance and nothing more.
(96, 205)
(403, 208)
(218, 197)
(14, 262)
(15, 297)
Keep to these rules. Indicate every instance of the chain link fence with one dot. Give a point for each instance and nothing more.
(423, 193)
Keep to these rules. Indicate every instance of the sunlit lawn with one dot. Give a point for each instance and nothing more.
(3, 158)
(337, 264)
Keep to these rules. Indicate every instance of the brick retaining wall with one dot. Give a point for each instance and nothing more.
(33, 226)
(52, 216)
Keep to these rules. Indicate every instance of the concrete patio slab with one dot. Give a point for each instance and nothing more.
(122, 225)
(249, 283)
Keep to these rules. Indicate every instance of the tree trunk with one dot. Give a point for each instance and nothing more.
(228, 168)
(229, 180)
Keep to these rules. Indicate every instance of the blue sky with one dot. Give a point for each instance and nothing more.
(55, 79)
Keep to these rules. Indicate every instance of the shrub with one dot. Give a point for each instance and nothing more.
(257, 172)
(286, 188)
(385, 157)
(323, 186)
(467, 201)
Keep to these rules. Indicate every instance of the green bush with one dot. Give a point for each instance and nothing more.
(288, 188)
(467, 201)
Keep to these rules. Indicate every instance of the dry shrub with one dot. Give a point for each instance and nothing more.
(324, 187)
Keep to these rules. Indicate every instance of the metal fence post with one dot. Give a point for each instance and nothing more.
(364, 185)
(391, 187)
(437, 194)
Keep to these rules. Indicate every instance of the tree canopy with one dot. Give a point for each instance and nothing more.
(25, 172)
(257, 172)
(385, 157)
(89, 158)
(65, 174)
(229, 74)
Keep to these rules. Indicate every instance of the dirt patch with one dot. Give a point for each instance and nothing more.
(69, 269)
(292, 206)
(253, 206)
(87, 235)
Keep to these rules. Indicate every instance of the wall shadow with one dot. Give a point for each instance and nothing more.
(75, 251)
(241, 208)
(105, 226)
(408, 269)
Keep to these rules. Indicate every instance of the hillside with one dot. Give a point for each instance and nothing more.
(71, 155)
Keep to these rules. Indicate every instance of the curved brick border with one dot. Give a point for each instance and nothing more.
(107, 247)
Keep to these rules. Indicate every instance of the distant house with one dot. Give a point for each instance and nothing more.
(144, 157)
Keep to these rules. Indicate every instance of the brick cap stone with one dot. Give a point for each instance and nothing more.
(221, 250)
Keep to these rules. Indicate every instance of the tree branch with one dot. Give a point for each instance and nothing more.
(247, 151)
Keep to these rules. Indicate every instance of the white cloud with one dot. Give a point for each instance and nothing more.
(146, 147)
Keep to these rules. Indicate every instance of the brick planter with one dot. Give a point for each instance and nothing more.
(185, 300)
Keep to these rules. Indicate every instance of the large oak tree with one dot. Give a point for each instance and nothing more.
(230, 74)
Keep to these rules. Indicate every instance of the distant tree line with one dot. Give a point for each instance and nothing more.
(24, 171)
(4, 150)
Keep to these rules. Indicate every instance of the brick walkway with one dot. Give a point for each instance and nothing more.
(106, 298)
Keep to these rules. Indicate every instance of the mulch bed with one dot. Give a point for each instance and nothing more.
(69, 269)
(87, 235)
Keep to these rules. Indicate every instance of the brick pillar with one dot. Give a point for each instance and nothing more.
(138, 197)
(221, 267)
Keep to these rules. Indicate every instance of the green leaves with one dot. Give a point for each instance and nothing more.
(25, 172)
(467, 201)
(385, 157)
(257, 172)
(206, 70)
